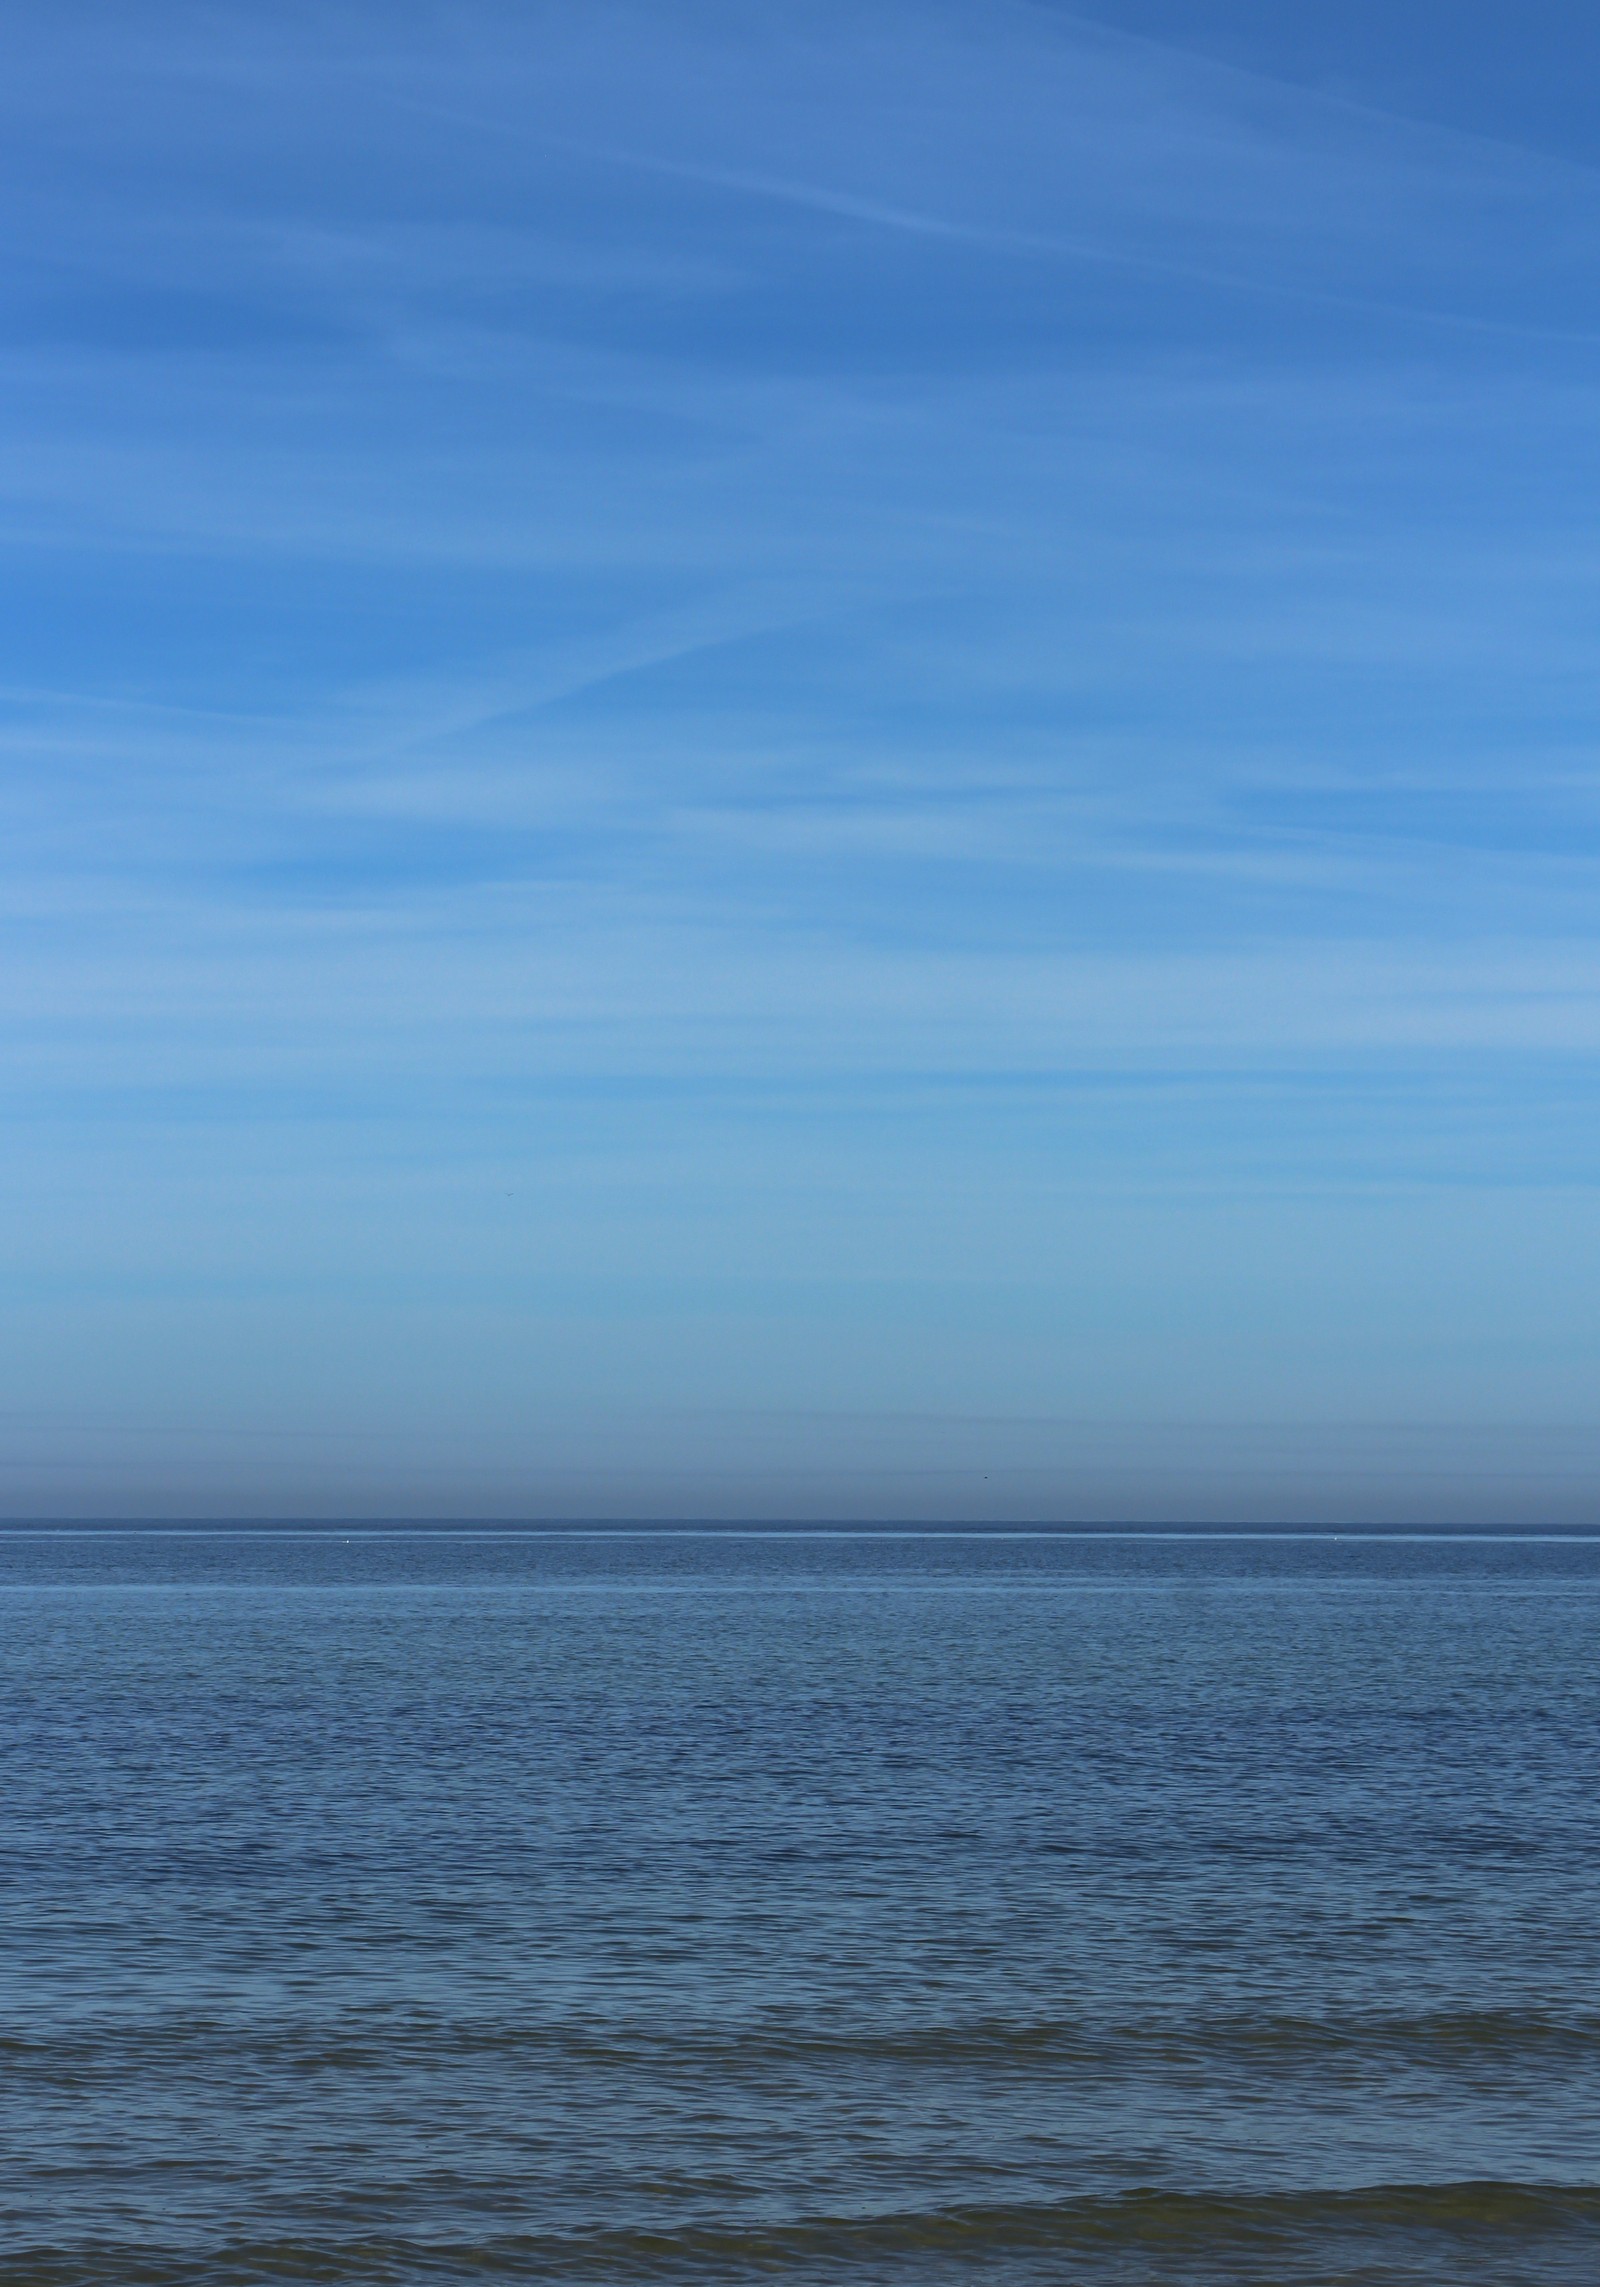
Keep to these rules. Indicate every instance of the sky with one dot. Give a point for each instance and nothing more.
(800, 760)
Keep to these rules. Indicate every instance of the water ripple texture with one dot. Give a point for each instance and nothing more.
(1052, 1910)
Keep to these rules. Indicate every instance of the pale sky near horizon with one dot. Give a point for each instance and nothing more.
(801, 760)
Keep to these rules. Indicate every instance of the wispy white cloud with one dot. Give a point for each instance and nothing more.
(789, 653)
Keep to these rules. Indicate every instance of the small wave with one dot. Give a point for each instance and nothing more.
(1478, 2224)
(1437, 2038)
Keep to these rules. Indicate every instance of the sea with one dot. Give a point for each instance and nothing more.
(1045, 1909)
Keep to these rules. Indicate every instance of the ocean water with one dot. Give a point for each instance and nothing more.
(395, 1907)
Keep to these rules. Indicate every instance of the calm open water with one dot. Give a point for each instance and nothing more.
(406, 1907)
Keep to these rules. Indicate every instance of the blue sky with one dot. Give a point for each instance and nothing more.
(800, 760)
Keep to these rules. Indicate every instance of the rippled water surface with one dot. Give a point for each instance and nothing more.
(406, 1907)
